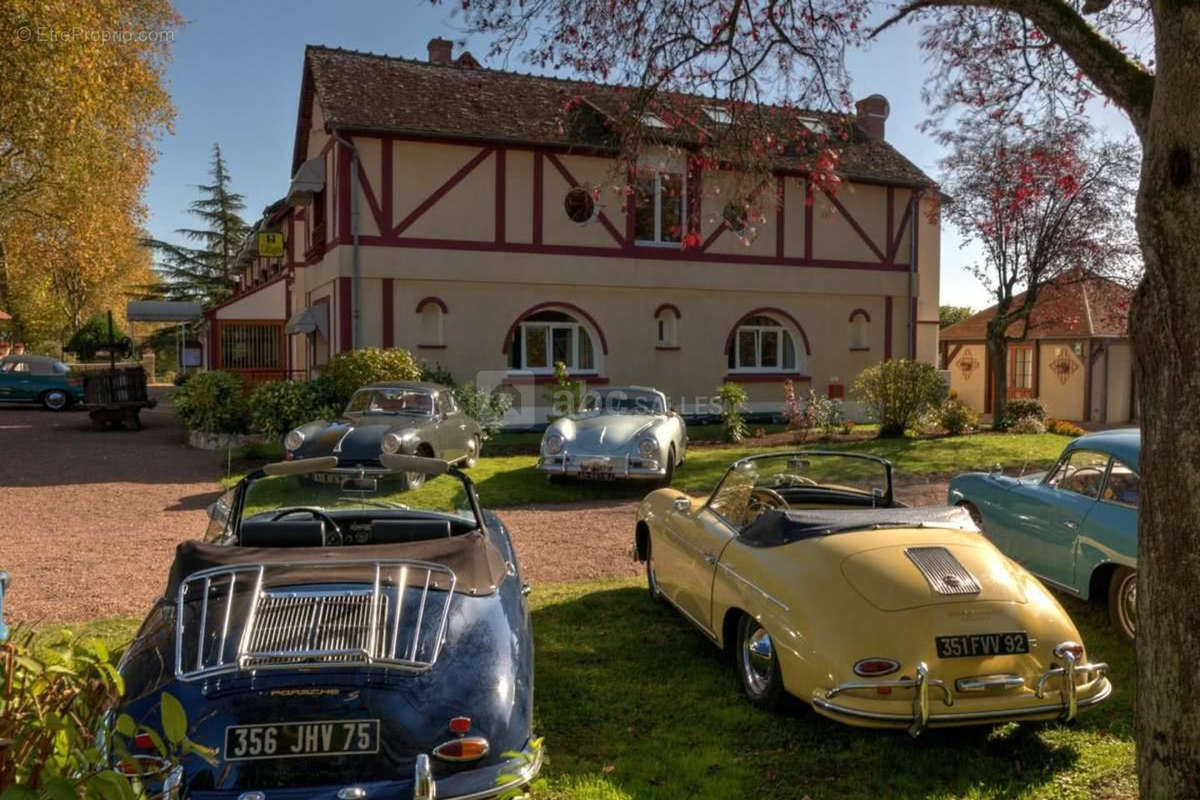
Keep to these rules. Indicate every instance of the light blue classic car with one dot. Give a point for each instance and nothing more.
(1075, 527)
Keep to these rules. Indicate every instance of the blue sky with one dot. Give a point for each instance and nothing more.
(235, 80)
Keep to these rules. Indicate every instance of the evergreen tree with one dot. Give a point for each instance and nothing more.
(205, 273)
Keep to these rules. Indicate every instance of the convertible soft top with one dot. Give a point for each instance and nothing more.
(776, 527)
(477, 565)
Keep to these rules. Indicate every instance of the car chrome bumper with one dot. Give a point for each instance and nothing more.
(476, 784)
(922, 716)
(601, 466)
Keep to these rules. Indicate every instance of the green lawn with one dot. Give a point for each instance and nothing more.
(506, 481)
(634, 703)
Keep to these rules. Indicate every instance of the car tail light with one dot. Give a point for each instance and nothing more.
(1074, 648)
(460, 724)
(875, 667)
(468, 748)
(143, 741)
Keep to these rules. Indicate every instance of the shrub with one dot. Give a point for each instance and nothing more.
(1063, 428)
(733, 399)
(436, 374)
(486, 408)
(92, 337)
(824, 412)
(55, 703)
(1029, 424)
(957, 417)
(1018, 408)
(349, 371)
(277, 407)
(211, 402)
(564, 394)
(796, 416)
(899, 392)
(847, 427)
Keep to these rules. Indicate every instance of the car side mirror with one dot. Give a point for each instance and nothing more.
(682, 505)
(997, 469)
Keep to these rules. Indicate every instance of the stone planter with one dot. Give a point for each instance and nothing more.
(219, 441)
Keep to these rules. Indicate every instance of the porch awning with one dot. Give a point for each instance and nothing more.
(306, 321)
(308, 180)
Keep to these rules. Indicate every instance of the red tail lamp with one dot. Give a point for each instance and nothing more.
(875, 667)
(467, 748)
(460, 724)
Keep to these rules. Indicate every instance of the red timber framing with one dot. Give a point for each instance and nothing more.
(377, 192)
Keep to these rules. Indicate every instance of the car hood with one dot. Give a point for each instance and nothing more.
(604, 433)
(891, 579)
(353, 439)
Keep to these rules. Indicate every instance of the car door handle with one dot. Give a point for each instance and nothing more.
(1071, 524)
(709, 558)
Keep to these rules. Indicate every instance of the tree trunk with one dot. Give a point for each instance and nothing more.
(997, 352)
(1165, 326)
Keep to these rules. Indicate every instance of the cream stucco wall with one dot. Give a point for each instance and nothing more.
(968, 375)
(267, 302)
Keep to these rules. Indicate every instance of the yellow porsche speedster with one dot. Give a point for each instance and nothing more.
(823, 587)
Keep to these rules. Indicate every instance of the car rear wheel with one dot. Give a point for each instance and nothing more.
(55, 400)
(758, 665)
(1122, 601)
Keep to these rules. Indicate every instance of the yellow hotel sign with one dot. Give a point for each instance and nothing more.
(270, 245)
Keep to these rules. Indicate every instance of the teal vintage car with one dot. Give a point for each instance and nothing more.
(39, 379)
(1075, 527)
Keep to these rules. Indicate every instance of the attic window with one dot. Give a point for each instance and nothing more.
(719, 115)
(815, 125)
(653, 121)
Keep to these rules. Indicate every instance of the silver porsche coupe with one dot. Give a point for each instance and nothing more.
(620, 432)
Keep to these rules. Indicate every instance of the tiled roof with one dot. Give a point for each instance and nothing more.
(374, 92)
(1069, 308)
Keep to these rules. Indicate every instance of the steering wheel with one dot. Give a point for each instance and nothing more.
(763, 500)
(316, 513)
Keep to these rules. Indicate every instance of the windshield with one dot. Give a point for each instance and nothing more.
(338, 493)
(391, 401)
(754, 485)
(624, 401)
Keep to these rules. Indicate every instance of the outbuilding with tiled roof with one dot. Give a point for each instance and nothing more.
(1075, 356)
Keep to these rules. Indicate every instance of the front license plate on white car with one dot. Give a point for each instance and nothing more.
(297, 739)
(978, 645)
(327, 477)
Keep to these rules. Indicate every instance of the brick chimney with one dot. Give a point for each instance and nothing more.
(872, 115)
(439, 50)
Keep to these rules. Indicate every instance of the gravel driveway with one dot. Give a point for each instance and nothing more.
(89, 520)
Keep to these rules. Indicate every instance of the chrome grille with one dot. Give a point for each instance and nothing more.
(389, 614)
(298, 627)
(943, 571)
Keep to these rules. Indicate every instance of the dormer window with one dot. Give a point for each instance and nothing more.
(814, 125)
(719, 115)
(653, 120)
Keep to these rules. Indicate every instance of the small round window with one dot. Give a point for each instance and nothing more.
(580, 205)
(736, 216)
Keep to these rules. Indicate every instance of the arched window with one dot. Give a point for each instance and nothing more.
(765, 343)
(666, 326)
(550, 335)
(431, 311)
(860, 322)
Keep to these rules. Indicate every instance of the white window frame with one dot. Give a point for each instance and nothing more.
(657, 198)
(550, 327)
(719, 115)
(758, 330)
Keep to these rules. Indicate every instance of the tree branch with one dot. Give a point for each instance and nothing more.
(1121, 80)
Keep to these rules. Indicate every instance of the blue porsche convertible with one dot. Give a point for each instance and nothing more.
(1075, 526)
